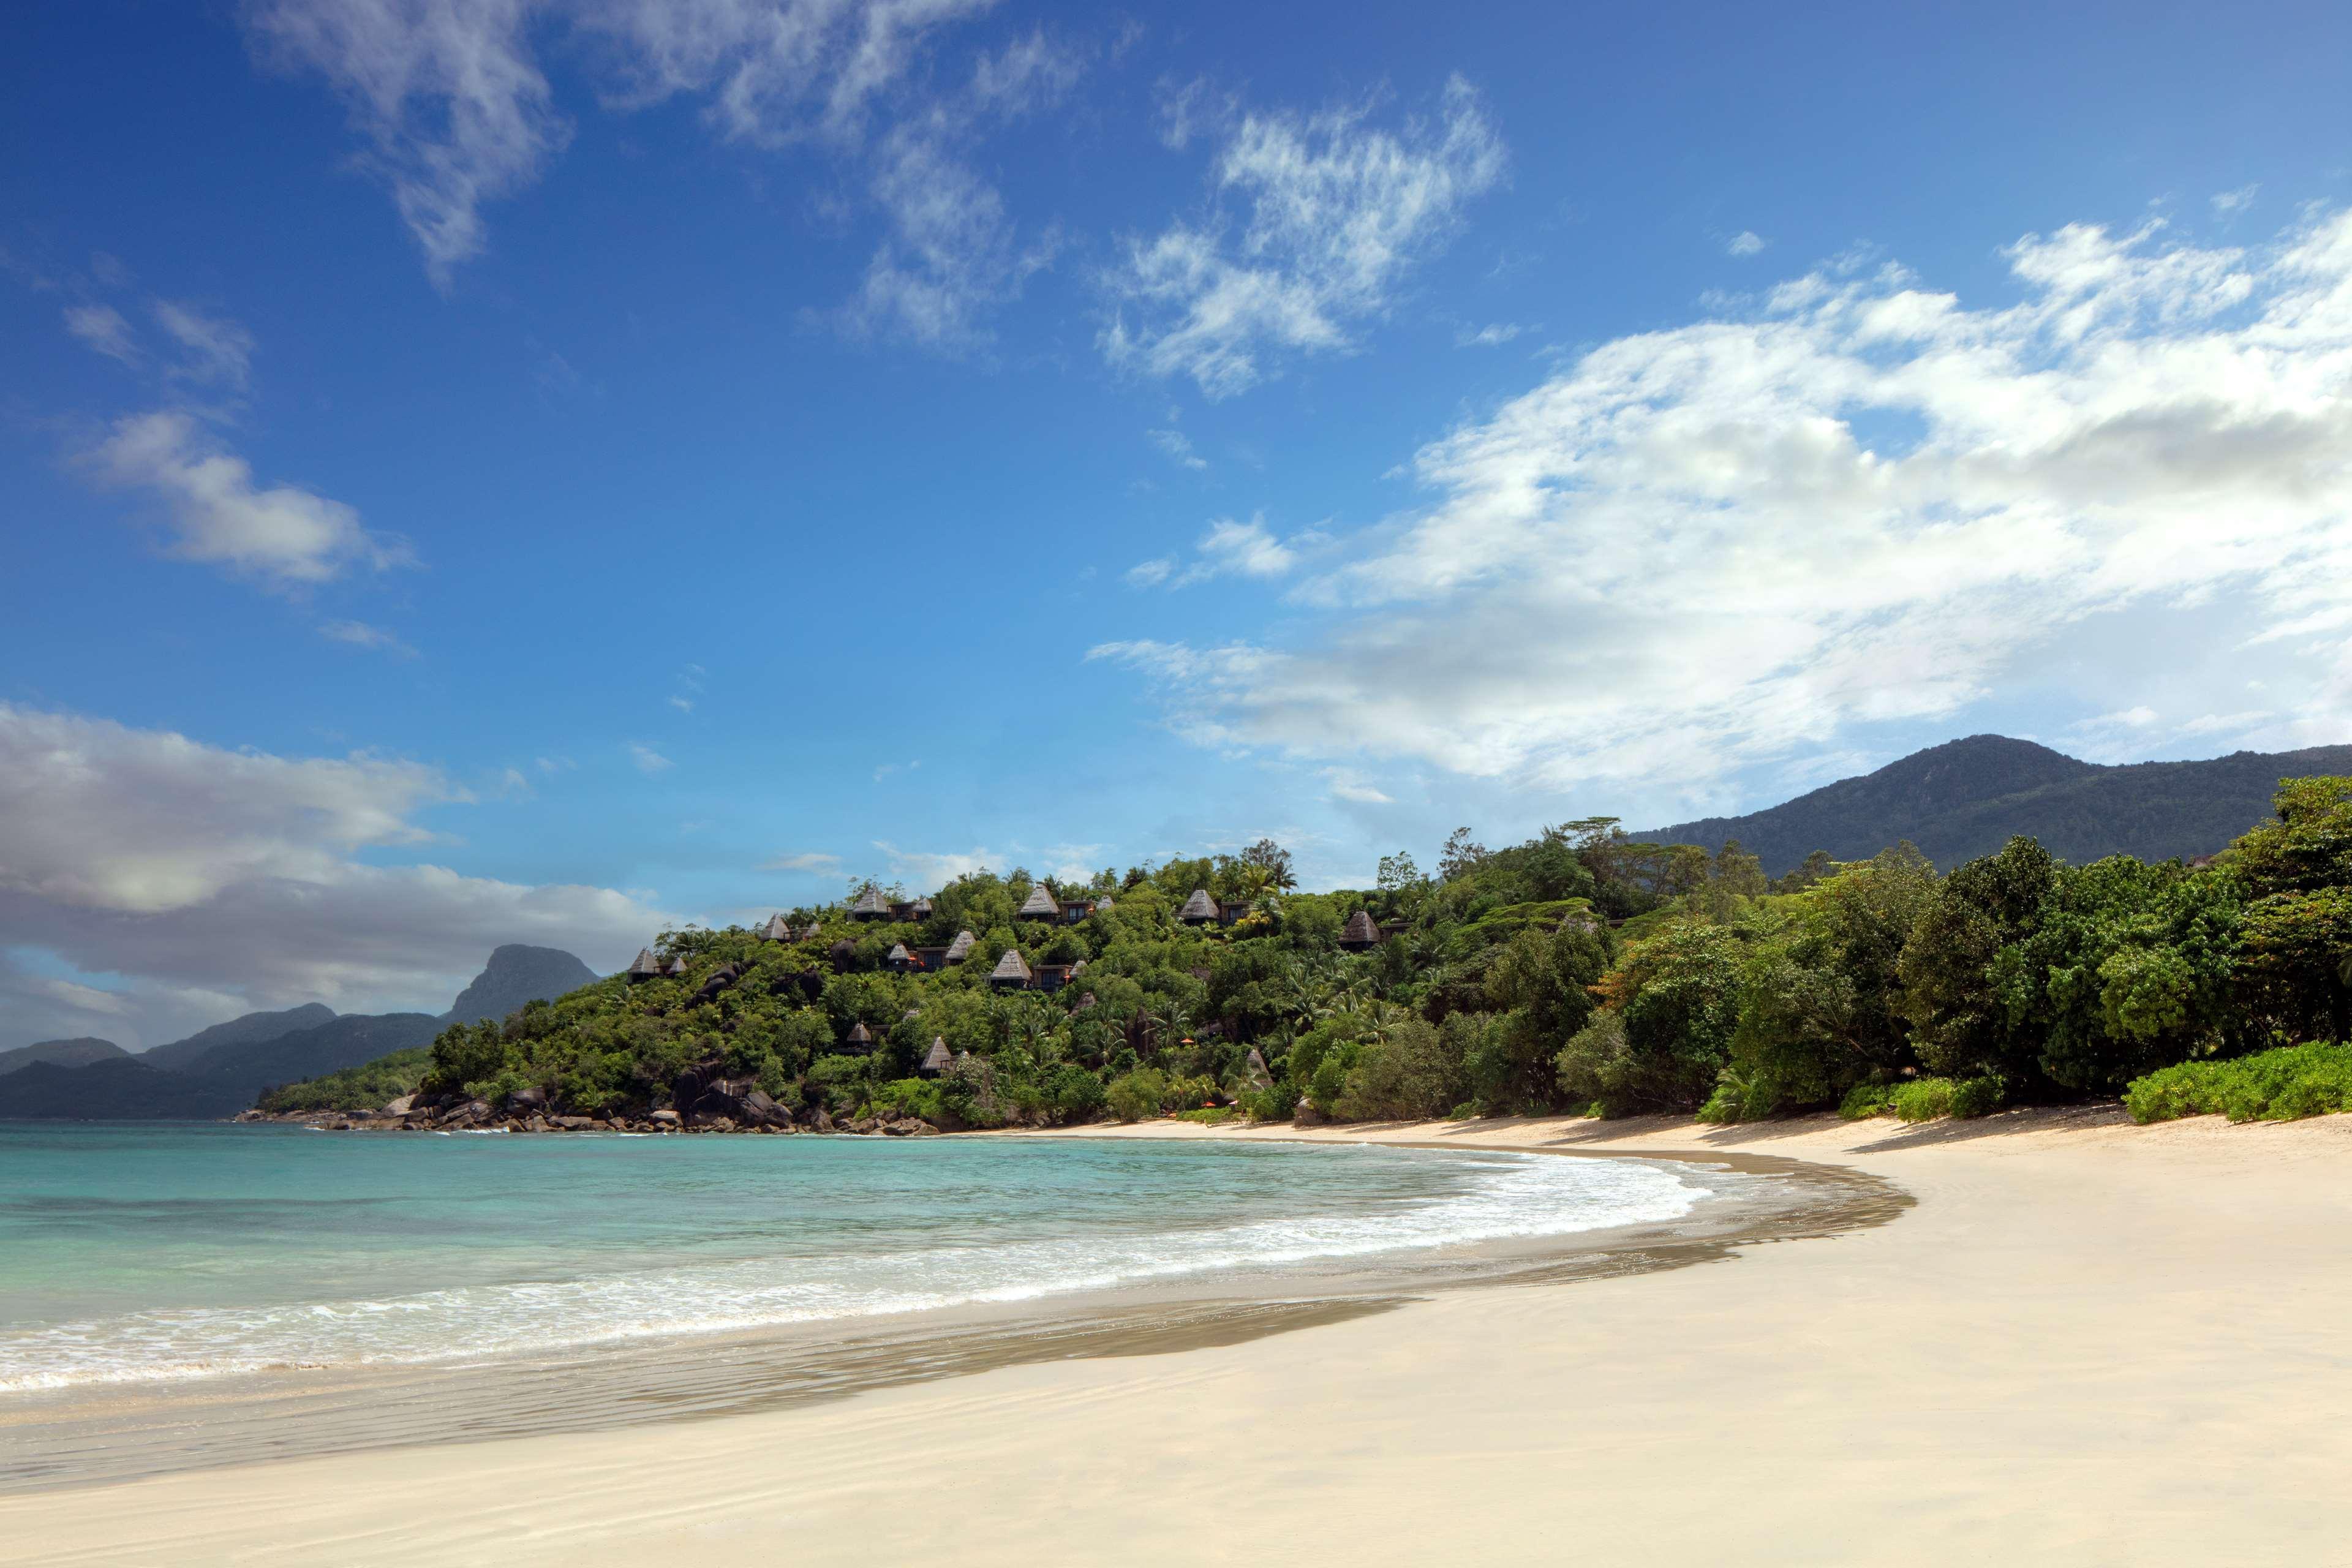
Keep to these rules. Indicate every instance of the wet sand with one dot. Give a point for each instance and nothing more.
(2088, 1343)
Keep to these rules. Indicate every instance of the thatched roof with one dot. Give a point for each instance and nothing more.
(1079, 967)
(775, 930)
(1011, 967)
(936, 1058)
(1359, 929)
(647, 967)
(909, 1014)
(922, 909)
(1199, 907)
(1105, 902)
(898, 953)
(870, 905)
(858, 1035)
(677, 966)
(1040, 904)
(961, 949)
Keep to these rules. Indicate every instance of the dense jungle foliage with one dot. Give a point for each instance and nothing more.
(1581, 970)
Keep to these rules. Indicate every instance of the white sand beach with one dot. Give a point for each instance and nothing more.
(2089, 1342)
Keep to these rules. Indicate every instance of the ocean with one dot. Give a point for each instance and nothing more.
(155, 1254)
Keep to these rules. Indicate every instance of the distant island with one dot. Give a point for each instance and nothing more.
(1585, 968)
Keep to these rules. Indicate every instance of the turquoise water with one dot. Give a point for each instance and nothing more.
(132, 1253)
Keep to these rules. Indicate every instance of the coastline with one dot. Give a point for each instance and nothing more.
(2090, 1342)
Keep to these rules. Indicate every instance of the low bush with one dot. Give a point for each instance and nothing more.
(1136, 1096)
(1924, 1099)
(1867, 1099)
(2281, 1085)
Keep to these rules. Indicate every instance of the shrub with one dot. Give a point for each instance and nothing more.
(1974, 1097)
(2281, 1085)
(1722, 1107)
(1924, 1099)
(1137, 1096)
(1867, 1099)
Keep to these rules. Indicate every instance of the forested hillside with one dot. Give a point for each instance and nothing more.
(1967, 798)
(1581, 970)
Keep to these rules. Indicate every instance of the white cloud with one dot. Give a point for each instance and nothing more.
(1027, 76)
(358, 634)
(928, 870)
(1338, 212)
(1747, 242)
(953, 252)
(197, 883)
(555, 765)
(2226, 723)
(1346, 784)
(2138, 718)
(104, 330)
(649, 762)
(1698, 548)
(2227, 204)
(1178, 446)
(219, 350)
(1229, 548)
(683, 704)
(804, 861)
(457, 108)
(286, 536)
(1492, 335)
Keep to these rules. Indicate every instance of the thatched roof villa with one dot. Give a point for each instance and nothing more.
(1359, 932)
(1012, 972)
(1200, 910)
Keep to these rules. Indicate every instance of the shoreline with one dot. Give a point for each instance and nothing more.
(2090, 1342)
(111, 1432)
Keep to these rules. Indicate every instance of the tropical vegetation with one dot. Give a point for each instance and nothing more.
(1581, 970)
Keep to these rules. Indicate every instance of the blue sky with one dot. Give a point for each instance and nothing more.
(484, 471)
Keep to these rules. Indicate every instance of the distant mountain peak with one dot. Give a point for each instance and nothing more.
(1966, 797)
(74, 1053)
(518, 974)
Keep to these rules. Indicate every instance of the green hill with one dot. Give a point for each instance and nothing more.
(1967, 798)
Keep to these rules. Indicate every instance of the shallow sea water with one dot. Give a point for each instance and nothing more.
(147, 1254)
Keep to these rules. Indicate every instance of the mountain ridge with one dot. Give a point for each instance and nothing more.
(1966, 797)
(219, 1072)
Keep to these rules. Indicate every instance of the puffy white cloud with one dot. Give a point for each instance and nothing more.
(1747, 242)
(1338, 211)
(2228, 202)
(244, 887)
(1694, 548)
(285, 535)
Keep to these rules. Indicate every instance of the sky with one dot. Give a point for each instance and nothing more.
(546, 470)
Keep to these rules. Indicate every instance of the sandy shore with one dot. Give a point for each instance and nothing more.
(2089, 1344)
